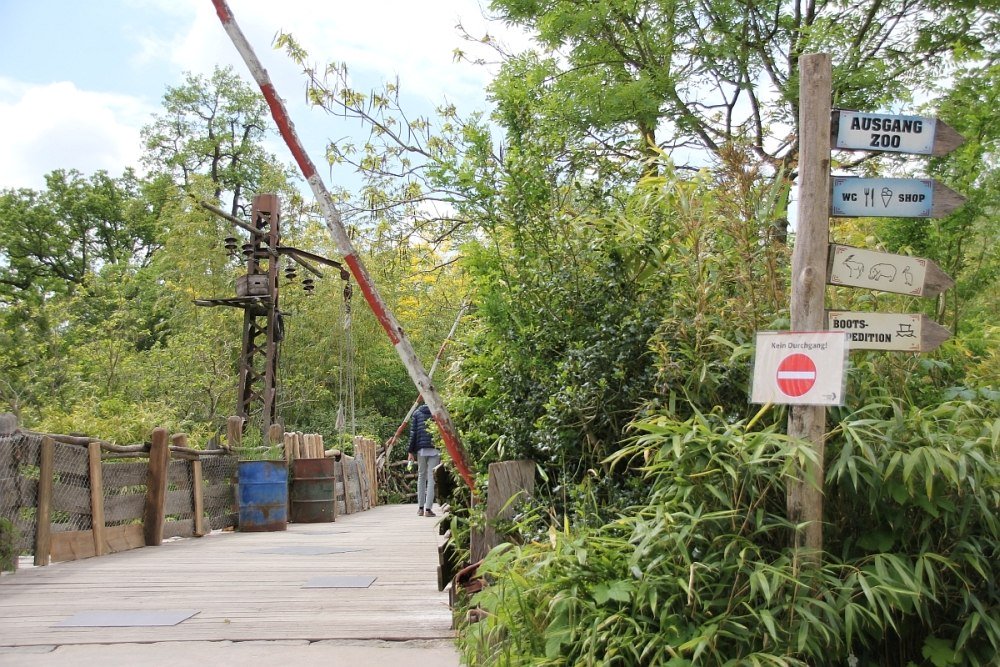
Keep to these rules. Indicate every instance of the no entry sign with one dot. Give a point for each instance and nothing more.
(799, 368)
(796, 374)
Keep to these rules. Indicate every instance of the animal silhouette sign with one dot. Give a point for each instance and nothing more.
(900, 274)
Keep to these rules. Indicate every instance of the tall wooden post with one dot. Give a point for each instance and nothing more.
(43, 515)
(154, 514)
(808, 422)
(97, 498)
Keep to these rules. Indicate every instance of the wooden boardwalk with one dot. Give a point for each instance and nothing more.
(245, 587)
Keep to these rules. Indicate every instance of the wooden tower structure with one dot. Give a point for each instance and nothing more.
(257, 294)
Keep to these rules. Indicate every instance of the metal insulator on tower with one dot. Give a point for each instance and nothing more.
(290, 272)
(248, 250)
(230, 244)
(308, 285)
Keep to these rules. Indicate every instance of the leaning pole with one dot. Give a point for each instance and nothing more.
(334, 223)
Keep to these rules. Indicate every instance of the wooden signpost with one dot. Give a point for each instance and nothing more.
(883, 271)
(823, 196)
(918, 135)
(900, 332)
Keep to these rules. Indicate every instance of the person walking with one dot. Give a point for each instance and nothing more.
(422, 450)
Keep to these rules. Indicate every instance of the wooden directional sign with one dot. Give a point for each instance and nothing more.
(853, 197)
(888, 331)
(854, 130)
(857, 267)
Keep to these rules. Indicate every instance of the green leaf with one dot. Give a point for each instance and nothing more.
(939, 652)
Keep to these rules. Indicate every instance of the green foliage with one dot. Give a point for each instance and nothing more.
(701, 574)
(963, 243)
(214, 127)
(9, 552)
(591, 313)
(678, 74)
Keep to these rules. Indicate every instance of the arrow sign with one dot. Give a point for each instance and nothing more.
(853, 197)
(853, 130)
(888, 331)
(901, 274)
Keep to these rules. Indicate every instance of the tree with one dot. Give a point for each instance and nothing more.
(54, 239)
(695, 77)
(213, 126)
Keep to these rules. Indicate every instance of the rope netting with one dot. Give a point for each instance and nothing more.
(19, 455)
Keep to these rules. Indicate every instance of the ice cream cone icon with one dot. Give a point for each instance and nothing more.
(886, 197)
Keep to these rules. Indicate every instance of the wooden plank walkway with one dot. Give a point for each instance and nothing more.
(245, 587)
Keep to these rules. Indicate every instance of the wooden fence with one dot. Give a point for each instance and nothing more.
(72, 497)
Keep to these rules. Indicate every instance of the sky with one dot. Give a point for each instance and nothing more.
(79, 79)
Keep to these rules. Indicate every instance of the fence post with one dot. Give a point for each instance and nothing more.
(8, 423)
(153, 514)
(198, 498)
(508, 479)
(96, 497)
(197, 486)
(43, 515)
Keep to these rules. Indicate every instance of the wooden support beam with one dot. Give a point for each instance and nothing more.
(198, 499)
(809, 262)
(234, 432)
(335, 225)
(8, 423)
(153, 514)
(43, 514)
(97, 498)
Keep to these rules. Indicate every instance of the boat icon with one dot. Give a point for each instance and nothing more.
(905, 331)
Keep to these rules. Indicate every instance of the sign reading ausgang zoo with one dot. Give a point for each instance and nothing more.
(854, 130)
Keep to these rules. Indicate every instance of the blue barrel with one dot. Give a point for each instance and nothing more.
(263, 496)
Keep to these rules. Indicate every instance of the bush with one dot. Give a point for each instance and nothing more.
(701, 574)
(8, 546)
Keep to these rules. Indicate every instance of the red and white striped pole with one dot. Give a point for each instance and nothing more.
(334, 223)
(406, 420)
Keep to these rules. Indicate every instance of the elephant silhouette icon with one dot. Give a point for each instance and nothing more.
(883, 270)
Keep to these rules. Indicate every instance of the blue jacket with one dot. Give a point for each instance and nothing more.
(419, 437)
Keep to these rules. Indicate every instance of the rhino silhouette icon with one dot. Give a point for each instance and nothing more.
(880, 271)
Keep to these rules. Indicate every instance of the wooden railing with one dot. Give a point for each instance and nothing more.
(72, 497)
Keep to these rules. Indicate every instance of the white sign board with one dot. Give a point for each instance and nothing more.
(878, 331)
(857, 267)
(854, 197)
(884, 132)
(799, 368)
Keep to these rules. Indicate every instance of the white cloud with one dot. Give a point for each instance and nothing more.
(59, 126)
(412, 40)
(50, 125)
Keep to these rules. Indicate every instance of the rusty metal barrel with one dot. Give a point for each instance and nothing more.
(263, 496)
(312, 495)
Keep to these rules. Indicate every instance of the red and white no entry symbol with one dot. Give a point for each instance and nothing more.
(796, 374)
